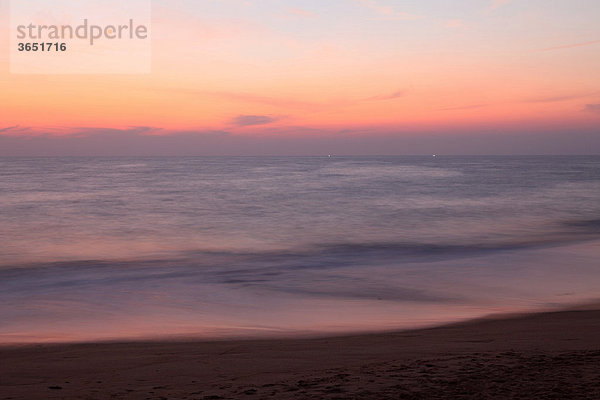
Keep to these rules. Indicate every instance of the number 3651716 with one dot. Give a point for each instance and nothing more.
(42, 46)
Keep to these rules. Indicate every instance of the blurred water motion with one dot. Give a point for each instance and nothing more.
(100, 248)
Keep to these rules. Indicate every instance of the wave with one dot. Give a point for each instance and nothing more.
(395, 272)
(338, 254)
(585, 225)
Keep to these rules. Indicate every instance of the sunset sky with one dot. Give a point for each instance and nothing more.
(319, 77)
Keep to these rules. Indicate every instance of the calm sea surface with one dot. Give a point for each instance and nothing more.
(105, 248)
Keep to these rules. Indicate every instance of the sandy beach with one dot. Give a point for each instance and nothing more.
(551, 355)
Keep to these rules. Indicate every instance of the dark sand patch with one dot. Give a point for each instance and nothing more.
(541, 356)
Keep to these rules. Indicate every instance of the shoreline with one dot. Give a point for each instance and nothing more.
(302, 335)
(553, 354)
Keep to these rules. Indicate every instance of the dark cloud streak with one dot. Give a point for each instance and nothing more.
(572, 45)
(554, 99)
(14, 129)
(252, 120)
(594, 108)
(397, 94)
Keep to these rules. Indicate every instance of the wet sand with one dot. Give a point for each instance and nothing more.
(553, 355)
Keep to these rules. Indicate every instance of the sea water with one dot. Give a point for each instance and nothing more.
(125, 248)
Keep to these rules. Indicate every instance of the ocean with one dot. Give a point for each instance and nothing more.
(223, 247)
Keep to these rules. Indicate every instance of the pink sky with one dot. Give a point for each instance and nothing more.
(352, 76)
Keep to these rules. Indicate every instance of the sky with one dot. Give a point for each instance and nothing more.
(315, 77)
